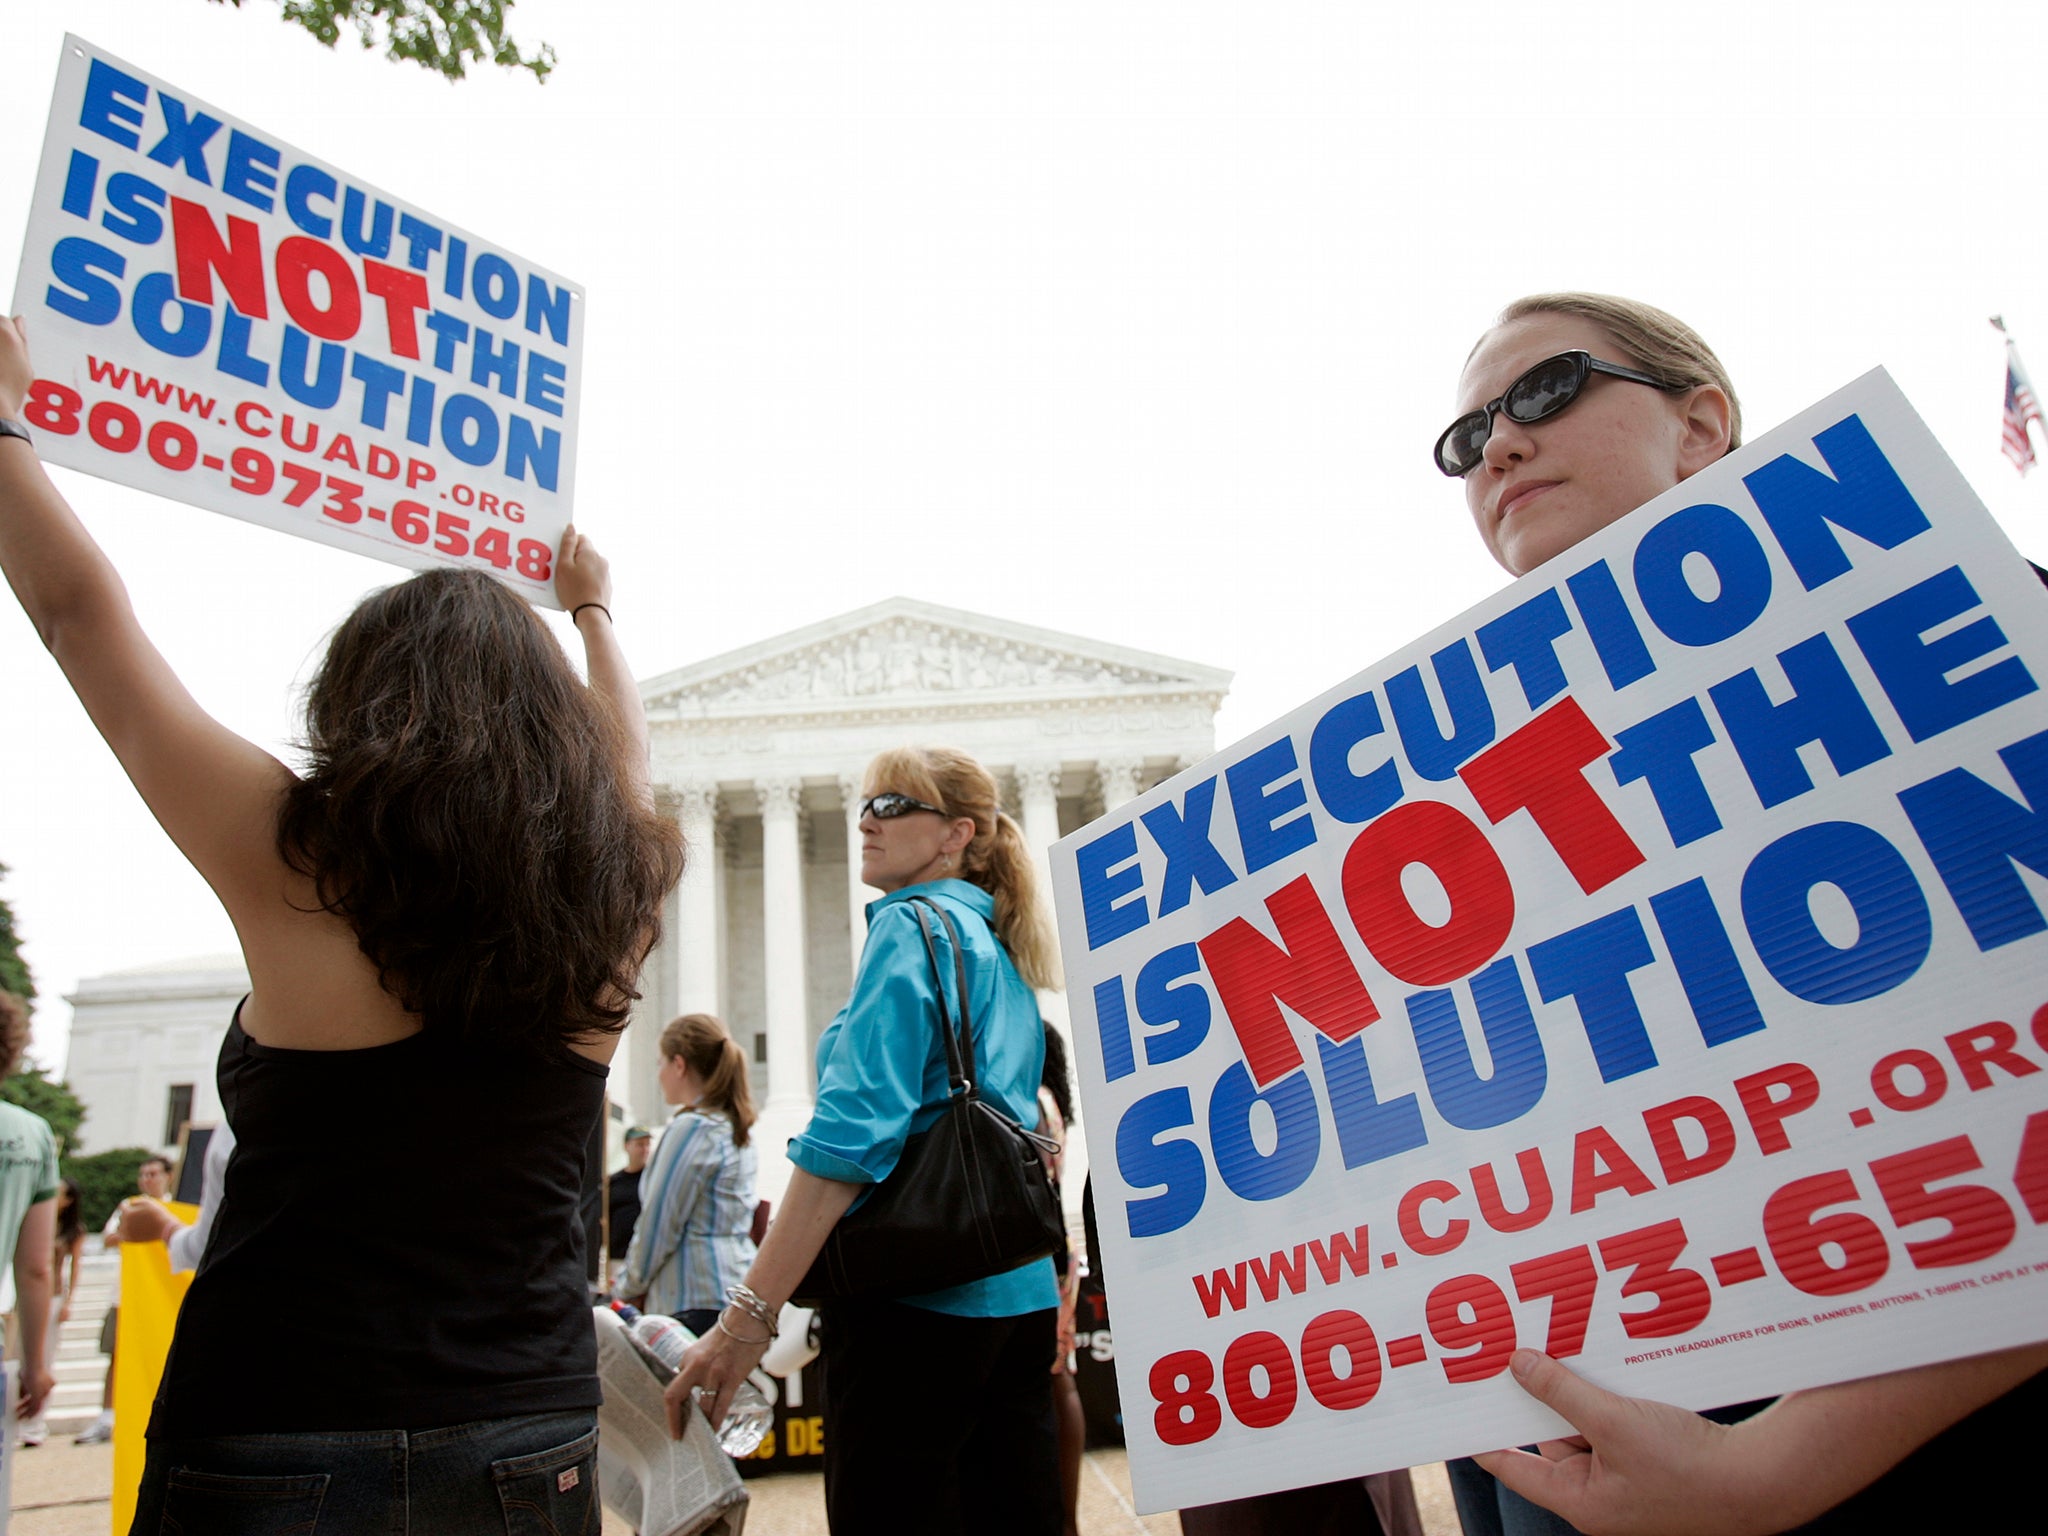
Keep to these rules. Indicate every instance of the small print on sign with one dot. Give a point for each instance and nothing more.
(224, 320)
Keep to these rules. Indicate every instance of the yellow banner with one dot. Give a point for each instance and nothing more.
(150, 1297)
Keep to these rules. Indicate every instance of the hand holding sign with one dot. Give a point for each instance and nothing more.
(1646, 1469)
(1637, 967)
(583, 577)
(229, 322)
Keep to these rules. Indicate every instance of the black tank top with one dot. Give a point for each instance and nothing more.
(397, 1244)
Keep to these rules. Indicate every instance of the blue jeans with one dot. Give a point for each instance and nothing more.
(533, 1475)
(1487, 1507)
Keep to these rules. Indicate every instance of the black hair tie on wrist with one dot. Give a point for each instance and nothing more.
(600, 607)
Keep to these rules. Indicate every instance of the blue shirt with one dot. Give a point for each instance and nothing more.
(694, 1238)
(882, 1066)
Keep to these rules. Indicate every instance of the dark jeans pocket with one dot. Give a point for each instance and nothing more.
(551, 1493)
(208, 1504)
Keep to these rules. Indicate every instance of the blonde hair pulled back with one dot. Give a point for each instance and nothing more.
(997, 858)
(1660, 344)
(709, 1050)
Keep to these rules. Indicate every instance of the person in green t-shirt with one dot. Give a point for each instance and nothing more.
(28, 1214)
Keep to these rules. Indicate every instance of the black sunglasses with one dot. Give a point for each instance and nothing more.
(1536, 396)
(888, 805)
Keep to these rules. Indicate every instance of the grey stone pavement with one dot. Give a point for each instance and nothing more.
(64, 1490)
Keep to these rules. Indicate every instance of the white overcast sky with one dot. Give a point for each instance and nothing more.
(1130, 319)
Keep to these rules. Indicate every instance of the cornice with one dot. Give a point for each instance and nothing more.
(875, 661)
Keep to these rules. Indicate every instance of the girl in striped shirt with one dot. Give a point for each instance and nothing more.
(694, 1238)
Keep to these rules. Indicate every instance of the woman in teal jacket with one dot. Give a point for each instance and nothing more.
(938, 1406)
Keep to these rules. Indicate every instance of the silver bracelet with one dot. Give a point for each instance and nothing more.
(748, 1301)
(739, 1338)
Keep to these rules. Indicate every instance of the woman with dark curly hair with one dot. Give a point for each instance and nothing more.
(443, 920)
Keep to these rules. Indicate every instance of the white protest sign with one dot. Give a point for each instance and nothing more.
(224, 320)
(1647, 966)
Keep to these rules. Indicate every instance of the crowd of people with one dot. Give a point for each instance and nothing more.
(446, 914)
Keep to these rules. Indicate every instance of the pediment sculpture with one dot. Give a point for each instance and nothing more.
(911, 657)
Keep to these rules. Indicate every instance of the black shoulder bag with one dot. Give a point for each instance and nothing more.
(970, 1196)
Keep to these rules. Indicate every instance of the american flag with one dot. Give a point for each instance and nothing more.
(2020, 408)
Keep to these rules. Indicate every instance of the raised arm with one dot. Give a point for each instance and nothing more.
(583, 586)
(214, 793)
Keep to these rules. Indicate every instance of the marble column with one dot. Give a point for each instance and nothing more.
(858, 893)
(782, 945)
(637, 1063)
(1038, 788)
(1119, 776)
(696, 931)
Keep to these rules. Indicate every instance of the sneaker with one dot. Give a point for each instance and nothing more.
(99, 1432)
(30, 1439)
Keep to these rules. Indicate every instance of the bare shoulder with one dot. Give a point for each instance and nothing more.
(311, 987)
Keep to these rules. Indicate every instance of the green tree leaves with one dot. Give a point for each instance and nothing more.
(14, 976)
(105, 1179)
(30, 1086)
(35, 1091)
(445, 36)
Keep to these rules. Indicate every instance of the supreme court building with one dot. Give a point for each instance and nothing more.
(759, 754)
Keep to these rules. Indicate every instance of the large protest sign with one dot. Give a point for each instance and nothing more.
(1647, 966)
(224, 320)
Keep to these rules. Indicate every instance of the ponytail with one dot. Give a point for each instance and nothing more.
(1022, 922)
(706, 1047)
(997, 858)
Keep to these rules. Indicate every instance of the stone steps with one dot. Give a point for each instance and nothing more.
(80, 1368)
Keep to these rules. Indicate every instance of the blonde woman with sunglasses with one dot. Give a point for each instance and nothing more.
(1574, 410)
(938, 1407)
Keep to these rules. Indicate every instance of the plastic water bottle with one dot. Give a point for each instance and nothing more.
(662, 1337)
(662, 1340)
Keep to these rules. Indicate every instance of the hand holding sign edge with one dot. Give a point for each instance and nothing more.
(582, 575)
(1640, 1466)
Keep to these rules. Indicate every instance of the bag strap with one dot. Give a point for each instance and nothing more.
(959, 1048)
(963, 1076)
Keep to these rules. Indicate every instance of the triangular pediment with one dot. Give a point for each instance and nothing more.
(912, 652)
